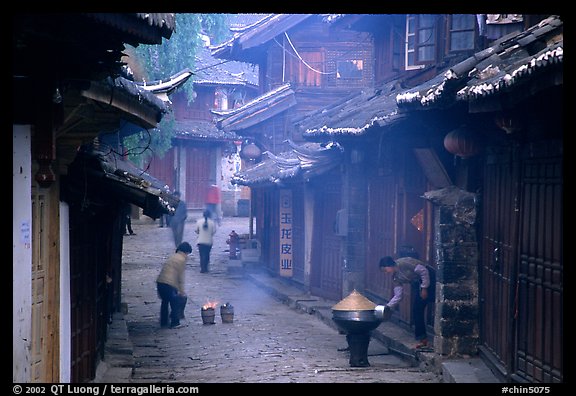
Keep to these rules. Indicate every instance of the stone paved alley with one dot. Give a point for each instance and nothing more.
(268, 341)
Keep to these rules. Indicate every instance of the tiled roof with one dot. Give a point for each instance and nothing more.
(167, 85)
(144, 107)
(204, 130)
(110, 174)
(211, 70)
(508, 61)
(162, 20)
(244, 41)
(297, 165)
(495, 79)
(354, 116)
(257, 110)
(145, 27)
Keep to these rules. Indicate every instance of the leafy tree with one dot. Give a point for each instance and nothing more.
(156, 62)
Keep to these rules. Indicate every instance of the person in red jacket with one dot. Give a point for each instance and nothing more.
(213, 202)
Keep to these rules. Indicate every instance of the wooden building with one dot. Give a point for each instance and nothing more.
(511, 100)
(69, 88)
(444, 148)
(203, 155)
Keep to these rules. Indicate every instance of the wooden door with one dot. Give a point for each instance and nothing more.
(521, 290)
(381, 215)
(326, 268)
(45, 276)
(498, 256)
(539, 298)
(163, 168)
(39, 286)
(90, 257)
(199, 175)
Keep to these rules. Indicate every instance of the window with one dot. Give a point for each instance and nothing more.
(221, 99)
(350, 68)
(307, 70)
(396, 50)
(420, 40)
(462, 32)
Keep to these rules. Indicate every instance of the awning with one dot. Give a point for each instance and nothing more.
(354, 116)
(257, 110)
(297, 165)
(102, 177)
(511, 61)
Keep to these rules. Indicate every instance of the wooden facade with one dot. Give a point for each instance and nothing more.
(194, 162)
(60, 263)
(494, 248)
(326, 253)
(521, 261)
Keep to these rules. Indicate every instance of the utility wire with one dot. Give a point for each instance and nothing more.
(302, 60)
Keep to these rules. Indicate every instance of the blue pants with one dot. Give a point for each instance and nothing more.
(169, 295)
(418, 312)
(204, 251)
(177, 231)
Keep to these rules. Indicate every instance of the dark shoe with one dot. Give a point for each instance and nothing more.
(132, 233)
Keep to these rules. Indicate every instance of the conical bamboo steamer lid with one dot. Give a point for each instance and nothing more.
(354, 302)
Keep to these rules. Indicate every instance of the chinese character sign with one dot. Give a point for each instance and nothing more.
(285, 233)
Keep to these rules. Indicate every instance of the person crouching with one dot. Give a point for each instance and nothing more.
(170, 286)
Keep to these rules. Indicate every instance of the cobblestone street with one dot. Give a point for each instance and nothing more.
(268, 341)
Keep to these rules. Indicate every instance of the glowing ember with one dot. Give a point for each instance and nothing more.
(210, 305)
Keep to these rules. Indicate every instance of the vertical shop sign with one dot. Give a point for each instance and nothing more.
(286, 233)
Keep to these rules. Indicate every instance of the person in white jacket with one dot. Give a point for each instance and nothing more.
(205, 228)
(409, 270)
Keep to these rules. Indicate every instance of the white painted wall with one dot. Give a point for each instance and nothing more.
(230, 164)
(65, 305)
(21, 252)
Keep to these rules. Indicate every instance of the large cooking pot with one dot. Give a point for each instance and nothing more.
(356, 314)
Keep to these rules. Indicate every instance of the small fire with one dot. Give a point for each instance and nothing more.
(210, 304)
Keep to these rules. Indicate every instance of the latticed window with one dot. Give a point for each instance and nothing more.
(420, 44)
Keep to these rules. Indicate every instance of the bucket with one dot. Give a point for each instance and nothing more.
(208, 315)
(227, 313)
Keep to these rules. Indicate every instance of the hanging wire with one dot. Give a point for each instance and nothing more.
(302, 60)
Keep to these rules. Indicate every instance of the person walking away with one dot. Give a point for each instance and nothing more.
(408, 269)
(178, 220)
(165, 219)
(127, 219)
(205, 228)
(213, 199)
(170, 286)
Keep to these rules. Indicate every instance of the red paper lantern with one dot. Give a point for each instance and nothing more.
(462, 142)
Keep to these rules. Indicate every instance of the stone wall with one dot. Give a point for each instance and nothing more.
(456, 248)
